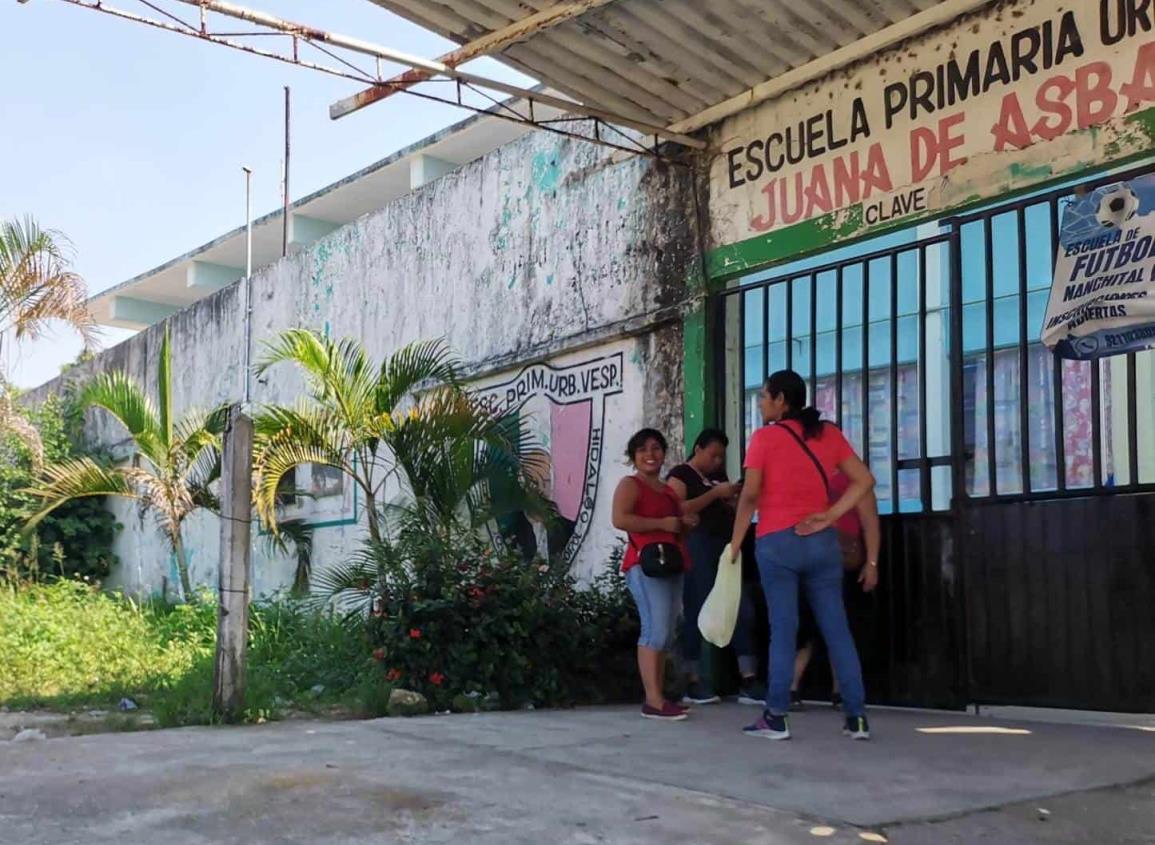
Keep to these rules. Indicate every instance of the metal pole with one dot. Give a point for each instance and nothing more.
(285, 185)
(434, 68)
(248, 281)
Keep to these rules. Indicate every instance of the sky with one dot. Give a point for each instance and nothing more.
(130, 140)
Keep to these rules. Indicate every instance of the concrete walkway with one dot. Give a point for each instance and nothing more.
(597, 775)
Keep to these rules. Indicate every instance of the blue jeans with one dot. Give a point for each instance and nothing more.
(705, 550)
(786, 562)
(658, 601)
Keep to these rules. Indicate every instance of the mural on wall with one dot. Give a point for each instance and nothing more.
(999, 100)
(564, 411)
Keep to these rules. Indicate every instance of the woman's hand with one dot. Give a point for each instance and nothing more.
(671, 524)
(691, 520)
(813, 524)
(868, 577)
(727, 491)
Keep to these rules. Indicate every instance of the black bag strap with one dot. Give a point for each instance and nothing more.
(810, 454)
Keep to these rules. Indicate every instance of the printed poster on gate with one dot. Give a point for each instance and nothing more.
(1102, 299)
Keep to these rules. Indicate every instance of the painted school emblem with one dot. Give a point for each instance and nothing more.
(564, 410)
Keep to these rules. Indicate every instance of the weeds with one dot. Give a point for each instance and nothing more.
(67, 646)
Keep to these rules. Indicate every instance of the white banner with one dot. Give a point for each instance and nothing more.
(1103, 295)
(1016, 94)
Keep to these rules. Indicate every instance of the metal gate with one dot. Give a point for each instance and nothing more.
(1055, 476)
(1001, 471)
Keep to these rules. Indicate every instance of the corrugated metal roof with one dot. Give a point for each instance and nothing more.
(662, 61)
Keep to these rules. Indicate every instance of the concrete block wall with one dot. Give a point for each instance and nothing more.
(548, 252)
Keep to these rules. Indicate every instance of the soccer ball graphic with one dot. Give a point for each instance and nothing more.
(1116, 207)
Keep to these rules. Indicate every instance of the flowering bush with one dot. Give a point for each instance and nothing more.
(452, 617)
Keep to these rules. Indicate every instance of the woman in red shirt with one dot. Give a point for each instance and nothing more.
(788, 467)
(650, 512)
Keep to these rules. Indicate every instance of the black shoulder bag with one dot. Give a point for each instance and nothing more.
(660, 560)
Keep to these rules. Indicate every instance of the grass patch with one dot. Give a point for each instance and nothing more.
(68, 646)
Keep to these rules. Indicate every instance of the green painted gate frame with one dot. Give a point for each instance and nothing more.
(723, 264)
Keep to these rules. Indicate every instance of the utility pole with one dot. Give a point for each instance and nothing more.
(233, 599)
(236, 519)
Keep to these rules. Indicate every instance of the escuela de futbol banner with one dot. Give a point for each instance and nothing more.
(1103, 294)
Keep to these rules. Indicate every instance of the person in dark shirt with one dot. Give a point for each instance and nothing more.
(702, 485)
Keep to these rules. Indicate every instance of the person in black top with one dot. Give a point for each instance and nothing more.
(702, 485)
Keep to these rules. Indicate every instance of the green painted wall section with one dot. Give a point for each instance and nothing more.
(697, 380)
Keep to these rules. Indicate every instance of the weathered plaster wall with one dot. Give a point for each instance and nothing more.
(546, 250)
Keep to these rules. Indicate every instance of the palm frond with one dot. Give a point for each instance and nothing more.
(75, 479)
(351, 585)
(338, 374)
(413, 366)
(14, 424)
(36, 284)
(118, 394)
(286, 438)
(164, 389)
(170, 499)
(198, 431)
(461, 461)
(307, 349)
(294, 537)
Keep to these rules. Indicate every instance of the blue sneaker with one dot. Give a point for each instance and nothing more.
(769, 726)
(856, 727)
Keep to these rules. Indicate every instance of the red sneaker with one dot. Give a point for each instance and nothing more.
(667, 713)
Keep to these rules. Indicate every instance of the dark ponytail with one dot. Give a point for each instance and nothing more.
(790, 386)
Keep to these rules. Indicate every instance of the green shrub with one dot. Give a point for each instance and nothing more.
(76, 539)
(452, 617)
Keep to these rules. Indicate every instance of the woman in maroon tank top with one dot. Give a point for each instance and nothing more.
(650, 512)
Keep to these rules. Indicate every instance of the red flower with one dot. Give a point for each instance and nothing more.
(393, 675)
(414, 633)
(436, 679)
(378, 654)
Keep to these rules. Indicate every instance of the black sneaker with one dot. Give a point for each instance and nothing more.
(856, 727)
(753, 693)
(769, 726)
(699, 693)
(796, 704)
(836, 700)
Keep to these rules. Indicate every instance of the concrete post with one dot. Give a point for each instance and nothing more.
(236, 530)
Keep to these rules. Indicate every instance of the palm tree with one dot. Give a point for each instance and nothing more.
(295, 538)
(178, 459)
(409, 419)
(36, 287)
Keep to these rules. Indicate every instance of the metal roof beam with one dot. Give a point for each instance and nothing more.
(356, 45)
(491, 42)
(938, 15)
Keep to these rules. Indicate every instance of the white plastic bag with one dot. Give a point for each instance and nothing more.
(720, 611)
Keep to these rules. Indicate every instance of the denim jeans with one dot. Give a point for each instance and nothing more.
(787, 562)
(705, 550)
(658, 601)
